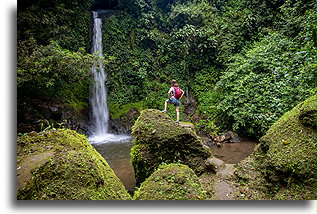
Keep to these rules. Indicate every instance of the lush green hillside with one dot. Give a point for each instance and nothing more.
(242, 63)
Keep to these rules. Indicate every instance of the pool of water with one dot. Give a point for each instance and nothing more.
(117, 154)
(115, 149)
(233, 153)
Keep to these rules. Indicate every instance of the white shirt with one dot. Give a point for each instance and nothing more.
(171, 90)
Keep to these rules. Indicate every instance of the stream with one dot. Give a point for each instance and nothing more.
(116, 151)
(233, 153)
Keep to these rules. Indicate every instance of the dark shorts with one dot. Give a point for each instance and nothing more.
(174, 101)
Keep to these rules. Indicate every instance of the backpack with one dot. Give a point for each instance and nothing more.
(178, 92)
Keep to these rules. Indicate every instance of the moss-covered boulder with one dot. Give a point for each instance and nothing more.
(63, 165)
(158, 139)
(283, 165)
(171, 182)
(122, 117)
(291, 141)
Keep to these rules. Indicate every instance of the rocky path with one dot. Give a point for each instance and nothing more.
(219, 186)
(222, 186)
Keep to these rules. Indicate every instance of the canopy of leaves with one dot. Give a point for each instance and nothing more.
(67, 22)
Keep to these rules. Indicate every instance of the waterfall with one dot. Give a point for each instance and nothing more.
(99, 97)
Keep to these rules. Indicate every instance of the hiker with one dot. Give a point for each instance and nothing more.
(174, 96)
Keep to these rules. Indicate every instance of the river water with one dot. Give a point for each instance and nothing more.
(116, 151)
(233, 153)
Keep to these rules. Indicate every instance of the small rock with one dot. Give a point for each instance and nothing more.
(234, 137)
(206, 147)
(190, 110)
(53, 108)
(229, 137)
(215, 164)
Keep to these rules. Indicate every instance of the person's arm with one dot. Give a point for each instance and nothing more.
(182, 94)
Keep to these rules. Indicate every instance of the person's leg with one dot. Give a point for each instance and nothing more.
(177, 113)
(166, 105)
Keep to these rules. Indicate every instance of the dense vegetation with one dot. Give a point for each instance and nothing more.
(245, 63)
(53, 64)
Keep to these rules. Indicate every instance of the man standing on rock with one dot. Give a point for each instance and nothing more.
(174, 96)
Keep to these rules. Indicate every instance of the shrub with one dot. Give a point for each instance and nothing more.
(51, 71)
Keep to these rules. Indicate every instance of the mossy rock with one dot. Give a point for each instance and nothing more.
(291, 141)
(122, 117)
(118, 111)
(171, 182)
(63, 165)
(158, 139)
(282, 166)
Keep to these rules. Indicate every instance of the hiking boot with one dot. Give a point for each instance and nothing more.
(177, 121)
(163, 111)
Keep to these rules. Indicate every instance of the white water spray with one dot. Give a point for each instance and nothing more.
(98, 100)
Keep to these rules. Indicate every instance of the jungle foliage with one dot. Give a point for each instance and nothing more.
(53, 64)
(245, 62)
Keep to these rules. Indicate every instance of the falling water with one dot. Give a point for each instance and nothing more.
(98, 101)
(99, 97)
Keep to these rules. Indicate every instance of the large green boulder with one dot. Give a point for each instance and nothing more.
(171, 182)
(158, 139)
(63, 165)
(283, 165)
(291, 141)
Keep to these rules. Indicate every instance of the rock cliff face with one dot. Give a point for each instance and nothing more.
(284, 163)
(63, 165)
(38, 115)
(158, 139)
(171, 182)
